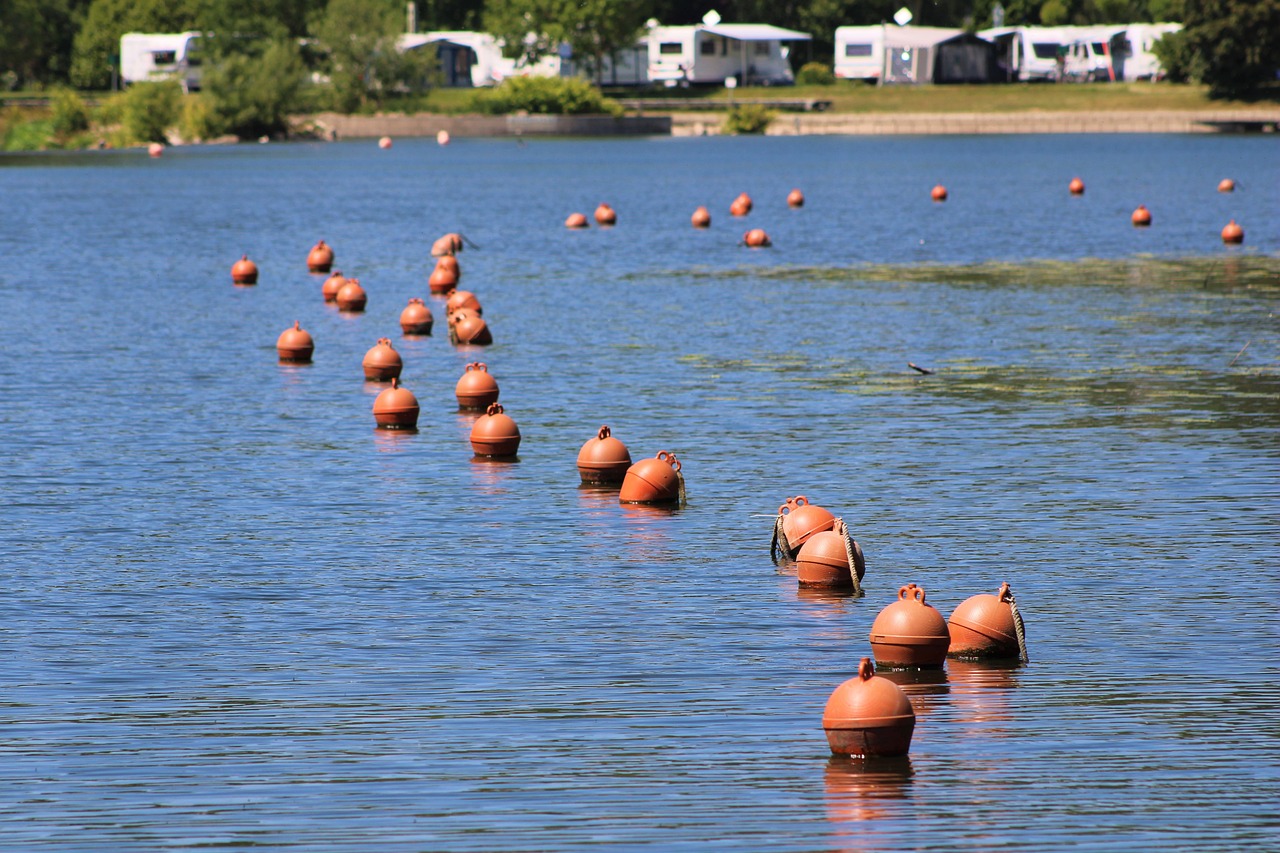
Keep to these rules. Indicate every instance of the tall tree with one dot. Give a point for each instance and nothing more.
(363, 62)
(1234, 45)
(99, 37)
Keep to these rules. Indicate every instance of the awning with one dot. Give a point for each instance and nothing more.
(756, 32)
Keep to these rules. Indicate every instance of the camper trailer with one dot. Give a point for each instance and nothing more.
(887, 53)
(150, 57)
(1140, 62)
(466, 58)
(753, 54)
(1095, 54)
(1028, 54)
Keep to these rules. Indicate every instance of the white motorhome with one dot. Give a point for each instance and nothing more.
(753, 54)
(1095, 54)
(887, 53)
(150, 57)
(1140, 62)
(1029, 54)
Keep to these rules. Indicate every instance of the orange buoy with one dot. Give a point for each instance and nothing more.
(442, 137)
(155, 149)
(756, 238)
(983, 626)
(1226, 185)
(868, 716)
(447, 244)
(382, 363)
(605, 215)
(701, 217)
(576, 220)
(295, 344)
(653, 481)
(795, 198)
(741, 205)
(450, 262)
(351, 296)
(939, 193)
(477, 388)
(396, 408)
(1142, 216)
(468, 327)
(416, 318)
(320, 258)
(910, 632)
(1232, 233)
(494, 433)
(463, 299)
(332, 285)
(801, 520)
(442, 280)
(244, 271)
(823, 561)
(1076, 187)
(603, 459)
(384, 143)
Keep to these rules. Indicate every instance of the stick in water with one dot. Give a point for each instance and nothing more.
(926, 371)
(1242, 349)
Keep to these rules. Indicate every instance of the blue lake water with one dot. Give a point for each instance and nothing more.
(235, 614)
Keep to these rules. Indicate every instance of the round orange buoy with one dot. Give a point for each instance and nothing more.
(1142, 216)
(384, 143)
(652, 481)
(606, 215)
(603, 459)
(295, 344)
(823, 561)
(351, 296)
(1226, 185)
(576, 220)
(910, 632)
(447, 244)
(442, 137)
(396, 408)
(795, 198)
(756, 238)
(477, 388)
(450, 262)
(461, 300)
(468, 327)
(1232, 233)
(320, 258)
(382, 363)
(701, 218)
(868, 716)
(939, 193)
(244, 271)
(332, 285)
(801, 520)
(1076, 186)
(494, 433)
(442, 280)
(741, 205)
(155, 149)
(416, 318)
(983, 627)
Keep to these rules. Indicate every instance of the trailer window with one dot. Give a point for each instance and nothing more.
(164, 57)
(708, 47)
(1045, 50)
(670, 47)
(857, 50)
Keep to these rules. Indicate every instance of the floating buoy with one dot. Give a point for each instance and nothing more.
(741, 205)
(332, 285)
(823, 561)
(801, 520)
(984, 626)
(576, 220)
(910, 632)
(1226, 185)
(468, 327)
(701, 218)
(447, 244)
(603, 459)
(1232, 233)
(461, 300)
(244, 271)
(416, 318)
(1142, 216)
(795, 198)
(320, 258)
(396, 408)
(295, 344)
(382, 363)
(494, 433)
(653, 481)
(477, 388)
(155, 149)
(756, 238)
(442, 280)
(1076, 186)
(384, 143)
(450, 262)
(442, 137)
(868, 716)
(605, 215)
(939, 193)
(351, 296)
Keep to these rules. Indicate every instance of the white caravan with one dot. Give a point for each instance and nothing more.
(1029, 54)
(753, 54)
(1140, 63)
(151, 57)
(887, 53)
(1095, 54)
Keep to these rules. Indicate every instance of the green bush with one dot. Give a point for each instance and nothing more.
(815, 74)
(70, 115)
(747, 118)
(34, 135)
(197, 121)
(252, 96)
(545, 95)
(150, 109)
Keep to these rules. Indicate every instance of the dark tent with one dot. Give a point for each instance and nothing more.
(965, 58)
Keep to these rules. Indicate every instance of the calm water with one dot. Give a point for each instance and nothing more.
(236, 615)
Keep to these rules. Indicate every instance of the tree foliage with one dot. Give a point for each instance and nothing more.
(252, 94)
(593, 29)
(1232, 45)
(363, 63)
(99, 37)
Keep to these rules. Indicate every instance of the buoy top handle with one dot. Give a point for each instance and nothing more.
(911, 591)
(395, 383)
(604, 432)
(866, 669)
(385, 342)
(793, 504)
(1005, 594)
(478, 365)
(494, 409)
(297, 325)
(415, 300)
(670, 459)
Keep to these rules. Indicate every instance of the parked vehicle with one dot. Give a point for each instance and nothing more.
(887, 53)
(753, 54)
(150, 57)
(1029, 54)
(1140, 63)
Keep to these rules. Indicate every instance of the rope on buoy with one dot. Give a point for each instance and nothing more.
(852, 553)
(780, 545)
(681, 499)
(1018, 627)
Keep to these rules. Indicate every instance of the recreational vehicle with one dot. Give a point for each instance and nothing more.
(754, 54)
(1029, 54)
(466, 58)
(887, 53)
(1140, 62)
(150, 57)
(1095, 54)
